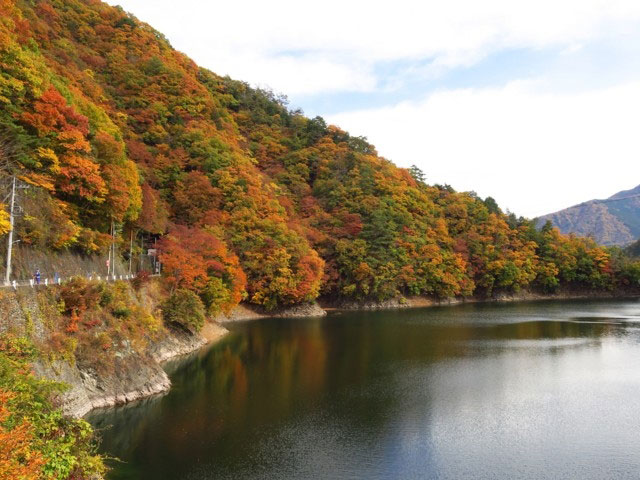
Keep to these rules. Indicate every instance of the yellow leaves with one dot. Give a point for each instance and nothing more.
(122, 117)
(362, 272)
(5, 225)
(74, 140)
(600, 257)
(124, 197)
(10, 85)
(135, 192)
(48, 159)
(41, 181)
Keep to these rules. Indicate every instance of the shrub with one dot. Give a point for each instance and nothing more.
(184, 308)
(141, 279)
(630, 273)
(215, 295)
(36, 440)
(79, 296)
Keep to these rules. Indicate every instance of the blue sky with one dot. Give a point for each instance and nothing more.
(532, 102)
(591, 67)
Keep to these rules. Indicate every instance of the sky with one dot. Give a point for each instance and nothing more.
(534, 103)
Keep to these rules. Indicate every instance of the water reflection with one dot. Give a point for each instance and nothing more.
(534, 390)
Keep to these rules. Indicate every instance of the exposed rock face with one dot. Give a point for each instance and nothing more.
(393, 303)
(612, 221)
(130, 374)
(133, 376)
(250, 312)
(180, 342)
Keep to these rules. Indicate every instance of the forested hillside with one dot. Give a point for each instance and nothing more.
(249, 200)
(633, 249)
(244, 198)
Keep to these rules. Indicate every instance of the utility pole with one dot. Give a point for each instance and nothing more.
(141, 267)
(7, 275)
(130, 250)
(115, 231)
(12, 214)
(109, 254)
(113, 249)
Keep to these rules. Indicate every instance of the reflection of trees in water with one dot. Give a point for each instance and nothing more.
(120, 428)
(272, 373)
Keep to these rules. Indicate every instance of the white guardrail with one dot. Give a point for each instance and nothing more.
(45, 282)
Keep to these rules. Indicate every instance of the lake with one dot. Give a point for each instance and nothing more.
(535, 390)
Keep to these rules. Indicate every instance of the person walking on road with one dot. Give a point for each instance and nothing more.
(37, 275)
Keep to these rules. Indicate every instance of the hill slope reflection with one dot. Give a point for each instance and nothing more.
(534, 390)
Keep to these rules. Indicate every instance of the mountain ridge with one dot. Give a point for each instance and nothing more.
(611, 221)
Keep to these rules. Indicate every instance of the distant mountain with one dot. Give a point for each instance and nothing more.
(612, 221)
(634, 249)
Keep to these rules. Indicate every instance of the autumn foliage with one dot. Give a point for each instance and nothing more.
(36, 440)
(18, 459)
(197, 260)
(249, 199)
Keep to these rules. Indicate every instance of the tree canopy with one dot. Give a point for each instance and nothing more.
(252, 200)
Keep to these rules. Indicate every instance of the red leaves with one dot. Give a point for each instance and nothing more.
(72, 326)
(153, 217)
(191, 256)
(80, 176)
(73, 140)
(194, 196)
(309, 273)
(51, 114)
(77, 174)
(351, 224)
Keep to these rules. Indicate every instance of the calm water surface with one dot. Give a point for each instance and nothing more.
(531, 390)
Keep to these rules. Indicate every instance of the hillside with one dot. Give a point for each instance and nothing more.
(249, 200)
(245, 199)
(612, 221)
(633, 249)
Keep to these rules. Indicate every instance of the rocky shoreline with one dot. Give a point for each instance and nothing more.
(132, 377)
(423, 302)
(135, 375)
(245, 312)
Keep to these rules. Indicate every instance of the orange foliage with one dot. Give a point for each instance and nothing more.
(51, 114)
(18, 460)
(255, 189)
(191, 257)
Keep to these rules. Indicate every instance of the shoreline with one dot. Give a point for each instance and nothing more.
(179, 344)
(426, 302)
(134, 377)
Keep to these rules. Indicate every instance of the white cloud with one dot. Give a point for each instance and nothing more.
(341, 41)
(299, 75)
(534, 151)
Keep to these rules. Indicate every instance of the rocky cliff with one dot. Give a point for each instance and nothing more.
(118, 363)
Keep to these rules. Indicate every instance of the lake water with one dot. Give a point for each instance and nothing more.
(539, 390)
